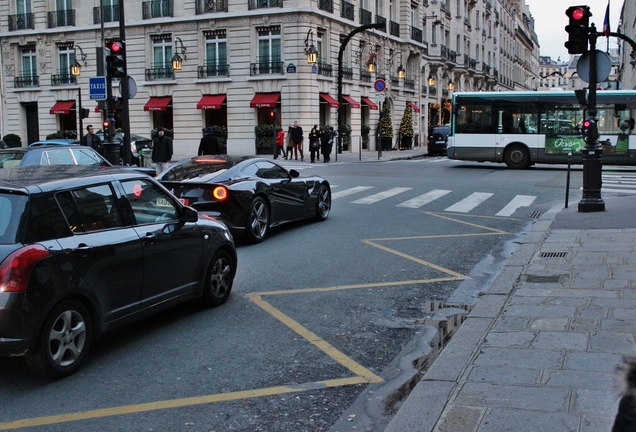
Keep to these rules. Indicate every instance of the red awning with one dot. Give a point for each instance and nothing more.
(158, 103)
(352, 101)
(415, 107)
(331, 101)
(265, 100)
(211, 102)
(369, 102)
(62, 107)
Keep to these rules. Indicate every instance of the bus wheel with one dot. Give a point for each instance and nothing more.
(517, 157)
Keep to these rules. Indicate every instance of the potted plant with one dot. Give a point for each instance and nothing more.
(12, 140)
(364, 131)
(406, 128)
(385, 127)
(265, 138)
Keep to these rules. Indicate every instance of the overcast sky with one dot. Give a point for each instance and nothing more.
(550, 21)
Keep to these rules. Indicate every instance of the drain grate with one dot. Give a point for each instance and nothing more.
(553, 254)
(536, 214)
(543, 279)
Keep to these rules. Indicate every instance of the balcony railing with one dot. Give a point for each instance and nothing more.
(472, 63)
(325, 69)
(365, 76)
(466, 60)
(395, 81)
(485, 67)
(26, 81)
(496, 73)
(444, 93)
(347, 73)
(159, 73)
(409, 84)
(366, 17)
(382, 20)
(61, 18)
(432, 90)
(326, 5)
(264, 4)
(213, 70)
(266, 68)
(111, 14)
(452, 56)
(210, 6)
(442, 50)
(416, 34)
(394, 29)
(64, 78)
(347, 10)
(21, 21)
(157, 9)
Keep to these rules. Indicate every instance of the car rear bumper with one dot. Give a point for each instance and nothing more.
(17, 331)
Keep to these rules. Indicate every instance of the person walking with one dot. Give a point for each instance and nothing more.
(290, 144)
(209, 145)
(326, 144)
(314, 143)
(161, 151)
(280, 142)
(92, 140)
(297, 138)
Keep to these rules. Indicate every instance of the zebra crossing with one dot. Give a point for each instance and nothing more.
(466, 204)
(618, 183)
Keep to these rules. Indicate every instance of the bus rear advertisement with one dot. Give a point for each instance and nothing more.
(524, 128)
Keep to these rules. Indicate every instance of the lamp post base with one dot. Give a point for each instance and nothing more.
(591, 200)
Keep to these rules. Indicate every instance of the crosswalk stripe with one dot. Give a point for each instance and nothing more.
(381, 195)
(623, 191)
(426, 198)
(518, 201)
(470, 202)
(351, 191)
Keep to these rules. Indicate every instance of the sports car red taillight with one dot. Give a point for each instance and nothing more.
(15, 270)
(219, 193)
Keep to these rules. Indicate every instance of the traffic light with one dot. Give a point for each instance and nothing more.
(578, 29)
(589, 131)
(106, 130)
(116, 60)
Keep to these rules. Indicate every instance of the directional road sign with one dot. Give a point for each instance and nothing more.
(97, 88)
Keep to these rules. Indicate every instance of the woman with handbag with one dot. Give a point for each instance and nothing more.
(314, 143)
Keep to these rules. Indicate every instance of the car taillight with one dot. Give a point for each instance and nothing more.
(15, 270)
(219, 193)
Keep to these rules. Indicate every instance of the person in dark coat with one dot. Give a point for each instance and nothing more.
(297, 138)
(314, 143)
(209, 145)
(161, 151)
(92, 140)
(326, 144)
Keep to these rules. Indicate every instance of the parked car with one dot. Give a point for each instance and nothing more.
(3, 145)
(57, 154)
(437, 139)
(137, 143)
(84, 251)
(56, 141)
(250, 195)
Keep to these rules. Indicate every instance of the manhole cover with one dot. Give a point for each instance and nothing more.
(543, 279)
(553, 254)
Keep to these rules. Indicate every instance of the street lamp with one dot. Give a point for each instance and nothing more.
(176, 60)
(451, 86)
(401, 73)
(431, 81)
(76, 69)
(310, 50)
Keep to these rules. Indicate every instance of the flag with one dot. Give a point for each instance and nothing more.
(606, 24)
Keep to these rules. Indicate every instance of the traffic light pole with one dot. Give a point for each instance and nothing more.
(125, 91)
(591, 200)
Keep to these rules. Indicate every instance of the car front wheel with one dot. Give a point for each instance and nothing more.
(64, 341)
(323, 206)
(219, 279)
(257, 220)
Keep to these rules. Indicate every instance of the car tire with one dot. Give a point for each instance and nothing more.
(517, 157)
(65, 339)
(219, 279)
(257, 221)
(323, 203)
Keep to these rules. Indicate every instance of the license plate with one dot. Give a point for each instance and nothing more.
(440, 142)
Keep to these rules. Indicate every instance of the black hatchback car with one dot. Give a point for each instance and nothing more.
(84, 250)
(437, 139)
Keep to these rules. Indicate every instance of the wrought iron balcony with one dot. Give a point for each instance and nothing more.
(159, 73)
(496, 73)
(394, 29)
(326, 5)
(452, 56)
(21, 21)
(445, 93)
(157, 9)
(381, 76)
(395, 81)
(443, 51)
(409, 84)
(26, 81)
(264, 4)
(63, 78)
(111, 14)
(416, 34)
(472, 63)
(365, 76)
(432, 91)
(325, 69)
(366, 17)
(213, 70)
(485, 67)
(61, 18)
(347, 10)
(210, 6)
(347, 73)
(266, 68)
(382, 20)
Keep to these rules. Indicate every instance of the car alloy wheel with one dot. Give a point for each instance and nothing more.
(219, 280)
(258, 220)
(324, 203)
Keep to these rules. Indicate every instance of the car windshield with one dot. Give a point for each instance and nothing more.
(201, 170)
(12, 207)
(11, 159)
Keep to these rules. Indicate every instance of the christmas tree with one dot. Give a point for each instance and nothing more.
(406, 125)
(386, 122)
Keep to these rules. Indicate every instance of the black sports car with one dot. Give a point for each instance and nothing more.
(248, 194)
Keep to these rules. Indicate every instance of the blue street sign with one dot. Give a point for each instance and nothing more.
(379, 85)
(97, 88)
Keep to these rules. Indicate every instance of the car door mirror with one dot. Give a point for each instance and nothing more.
(188, 214)
(293, 173)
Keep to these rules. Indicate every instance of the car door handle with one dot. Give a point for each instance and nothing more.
(150, 237)
(83, 249)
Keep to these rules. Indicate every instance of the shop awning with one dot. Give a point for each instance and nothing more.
(62, 107)
(158, 103)
(412, 105)
(369, 102)
(265, 100)
(211, 102)
(331, 101)
(352, 101)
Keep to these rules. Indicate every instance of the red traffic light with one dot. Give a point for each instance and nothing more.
(578, 14)
(106, 124)
(114, 47)
(587, 123)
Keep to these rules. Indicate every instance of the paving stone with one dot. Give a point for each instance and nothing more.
(613, 343)
(519, 357)
(504, 375)
(510, 420)
(629, 314)
(593, 312)
(460, 419)
(561, 340)
(511, 323)
(509, 339)
(617, 326)
(620, 303)
(598, 402)
(580, 324)
(550, 324)
(579, 379)
(590, 361)
(544, 311)
(596, 423)
(513, 396)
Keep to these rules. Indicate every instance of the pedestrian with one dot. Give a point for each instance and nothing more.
(290, 144)
(161, 151)
(280, 143)
(314, 143)
(92, 140)
(297, 139)
(326, 144)
(209, 145)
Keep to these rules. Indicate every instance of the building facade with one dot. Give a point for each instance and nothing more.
(245, 65)
(627, 55)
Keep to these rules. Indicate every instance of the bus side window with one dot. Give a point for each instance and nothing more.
(507, 122)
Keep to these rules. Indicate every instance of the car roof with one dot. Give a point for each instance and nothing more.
(56, 141)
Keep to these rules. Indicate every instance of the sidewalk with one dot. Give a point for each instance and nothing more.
(539, 350)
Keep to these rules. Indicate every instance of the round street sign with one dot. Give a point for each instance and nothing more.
(379, 85)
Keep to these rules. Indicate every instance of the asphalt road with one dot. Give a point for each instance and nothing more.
(321, 313)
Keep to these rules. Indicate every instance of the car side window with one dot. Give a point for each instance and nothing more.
(86, 156)
(251, 170)
(89, 209)
(57, 157)
(268, 170)
(149, 202)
